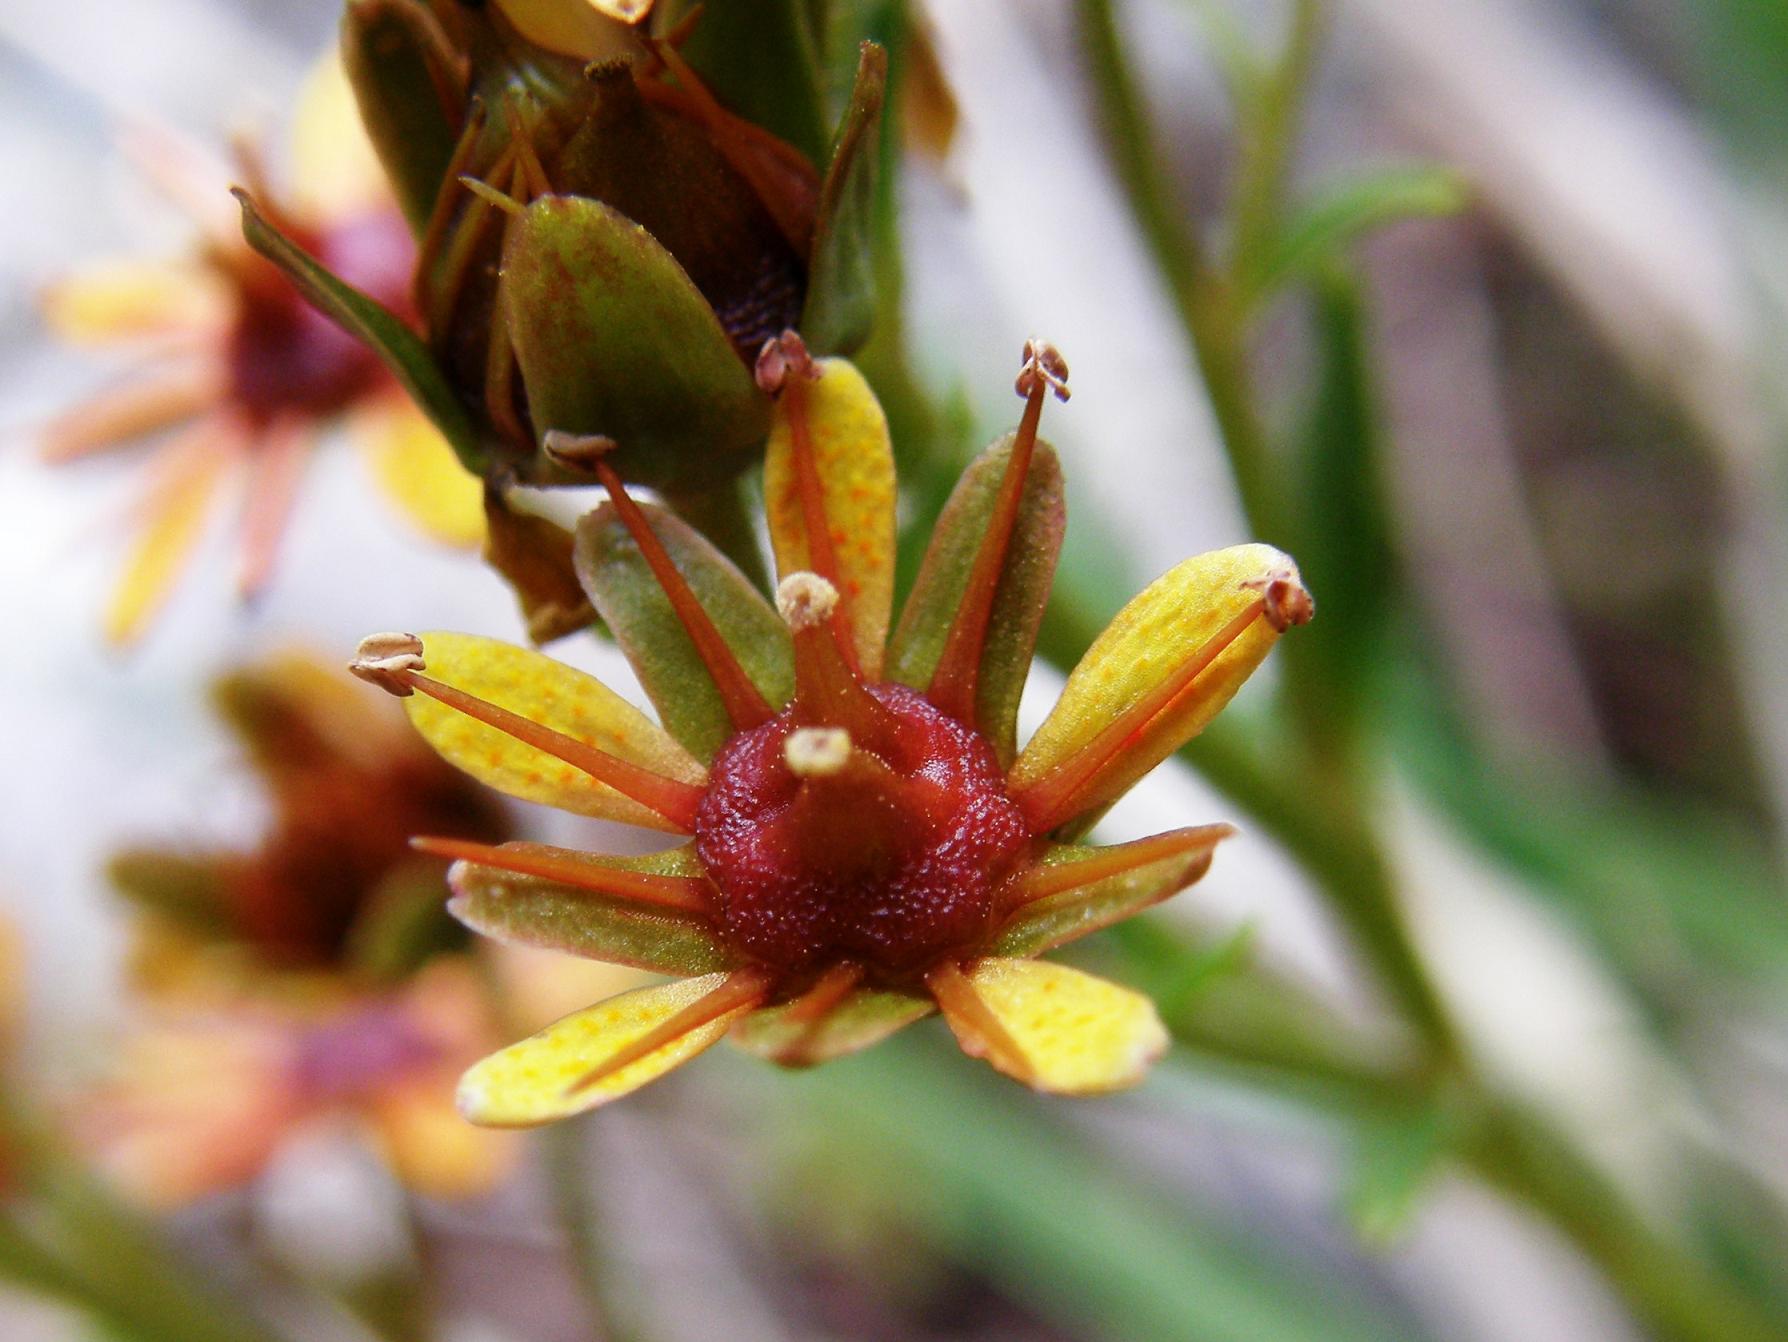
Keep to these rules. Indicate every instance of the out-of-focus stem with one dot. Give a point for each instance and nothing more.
(564, 1147)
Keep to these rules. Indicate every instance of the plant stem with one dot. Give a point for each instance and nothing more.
(569, 1172)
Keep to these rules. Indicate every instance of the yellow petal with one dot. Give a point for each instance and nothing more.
(122, 299)
(1078, 1034)
(590, 29)
(1160, 633)
(531, 1082)
(418, 472)
(854, 460)
(175, 518)
(431, 1148)
(334, 169)
(553, 695)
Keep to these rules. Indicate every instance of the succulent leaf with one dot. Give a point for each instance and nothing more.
(411, 100)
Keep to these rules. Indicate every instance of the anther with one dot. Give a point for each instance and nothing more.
(1043, 366)
(576, 451)
(387, 660)
(1287, 601)
(805, 600)
(817, 752)
(781, 358)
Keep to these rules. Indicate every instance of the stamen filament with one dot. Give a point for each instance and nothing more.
(1045, 879)
(827, 690)
(745, 704)
(1058, 794)
(669, 797)
(742, 988)
(809, 1011)
(435, 233)
(683, 893)
(964, 1007)
(822, 558)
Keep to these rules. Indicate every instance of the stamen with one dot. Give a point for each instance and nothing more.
(394, 663)
(442, 214)
(491, 196)
(955, 682)
(1046, 879)
(1055, 796)
(529, 171)
(963, 1006)
(808, 1012)
(742, 988)
(745, 704)
(463, 244)
(784, 368)
(827, 690)
(817, 752)
(683, 893)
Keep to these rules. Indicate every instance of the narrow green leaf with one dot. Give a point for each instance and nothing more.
(401, 69)
(400, 348)
(639, 614)
(1343, 211)
(863, 1019)
(1024, 586)
(1398, 1157)
(841, 280)
(534, 911)
(613, 338)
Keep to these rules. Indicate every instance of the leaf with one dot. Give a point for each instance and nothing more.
(535, 1081)
(841, 289)
(552, 695)
(552, 915)
(1023, 593)
(662, 655)
(854, 461)
(1398, 1156)
(398, 347)
(759, 58)
(863, 1019)
(612, 338)
(401, 69)
(1344, 211)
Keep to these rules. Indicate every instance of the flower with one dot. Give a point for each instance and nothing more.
(315, 978)
(604, 244)
(242, 371)
(867, 843)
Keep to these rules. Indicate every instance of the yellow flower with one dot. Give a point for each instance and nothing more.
(867, 843)
(243, 374)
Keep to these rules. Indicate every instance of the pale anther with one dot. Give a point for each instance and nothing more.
(384, 659)
(816, 752)
(805, 600)
(781, 358)
(1043, 365)
(576, 451)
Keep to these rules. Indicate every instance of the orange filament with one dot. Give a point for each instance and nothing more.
(683, 893)
(963, 1006)
(745, 704)
(828, 693)
(1053, 878)
(1060, 792)
(669, 797)
(822, 558)
(746, 987)
(809, 1011)
(956, 680)
(442, 214)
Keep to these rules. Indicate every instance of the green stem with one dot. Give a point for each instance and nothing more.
(1265, 153)
(569, 1171)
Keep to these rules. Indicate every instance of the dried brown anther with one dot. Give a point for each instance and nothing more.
(781, 358)
(1287, 601)
(1043, 366)
(386, 660)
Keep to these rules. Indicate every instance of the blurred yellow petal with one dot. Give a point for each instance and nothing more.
(174, 519)
(533, 1082)
(334, 169)
(1076, 1034)
(432, 1149)
(853, 460)
(552, 695)
(413, 465)
(539, 986)
(591, 29)
(1155, 677)
(123, 299)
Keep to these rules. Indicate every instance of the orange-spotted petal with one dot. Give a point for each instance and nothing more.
(1052, 1027)
(418, 472)
(554, 696)
(829, 454)
(1154, 678)
(537, 1080)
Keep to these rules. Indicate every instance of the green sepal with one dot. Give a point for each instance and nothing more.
(760, 58)
(865, 1018)
(398, 347)
(411, 100)
(404, 924)
(613, 338)
(1070, 914)
(639, 614)
(551, 915)
(1025, 581)
(188, 889)
(841, 291)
